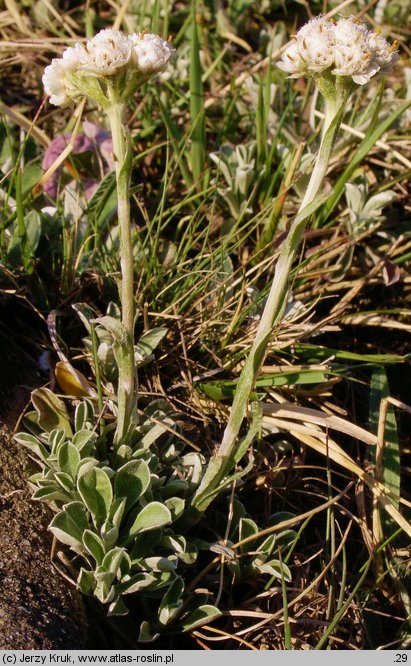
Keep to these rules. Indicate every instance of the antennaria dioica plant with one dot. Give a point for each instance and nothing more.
(339, 57)
(117, 490)
(124, 498)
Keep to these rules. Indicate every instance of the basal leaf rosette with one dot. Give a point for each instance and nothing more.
(344, 50)
(108, 68)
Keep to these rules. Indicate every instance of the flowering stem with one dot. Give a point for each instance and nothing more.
(127, 378)
(221, 463)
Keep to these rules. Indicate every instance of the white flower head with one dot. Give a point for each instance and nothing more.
(349, 31)
(111, 57)
(382, 53)
(292, 62)
(56, 77)
(54, 83)
(107, 53)
(345, 49)
(150, 53)
(352, 56)
(316, 43)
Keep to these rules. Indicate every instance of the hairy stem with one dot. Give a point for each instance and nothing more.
(127, 380)
(276, 300)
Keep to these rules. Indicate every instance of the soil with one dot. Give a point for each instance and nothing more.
(38, 607)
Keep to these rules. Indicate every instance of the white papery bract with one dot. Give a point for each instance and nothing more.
(54, 83)
(110, 61)
(292, 62)
(353, 53)
(150, 53)
(107, 53)
(344, 49)
(383, 54)
(57, 77)
(348, 31)
(316, 43)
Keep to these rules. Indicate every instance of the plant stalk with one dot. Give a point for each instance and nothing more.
(277, 298)
(127, 379)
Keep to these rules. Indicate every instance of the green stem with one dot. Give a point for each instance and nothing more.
(127, 380)
(277, 298)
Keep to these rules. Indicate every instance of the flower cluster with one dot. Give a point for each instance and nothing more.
(345, 48)
(110, 54)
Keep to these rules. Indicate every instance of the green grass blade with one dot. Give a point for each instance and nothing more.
(391, 455)
(197, 113)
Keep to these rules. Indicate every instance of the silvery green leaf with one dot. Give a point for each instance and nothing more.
(51, 411)
(172, 601)
(84, 415)
(176, 506)
(165, 564)
(376, 203)
(51, 492)
(86, 465)
(286, 538)
(144, 543)
(94, 545)
(202, 615)
(136, 583)
(146, 634)
(68, 458)
(96, 492)
(175, 543)
(85, 313)
(107, 360)
(150, 340)
(55, 439)
(117, 511)
(125, 566)
(68, 525)
(113, 326)
(113, 310)
(185, 550)
(190, 554)
(150, 517)
(30, 422)
(104, 590)
(154, 431)
(196, 462)
(113, 559)
(131, 481)
(117, 607)
(82, 438)
(31, 442)
(32, 222)
(109, 534)
(275, 568)
(232, 202)
(247, 527)
(268, 545)
(174, 486)
(86, 582)
(47, 477)
(355, 197)
(66, 482)
(104, 336)
(222, 549)
(244, 177)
